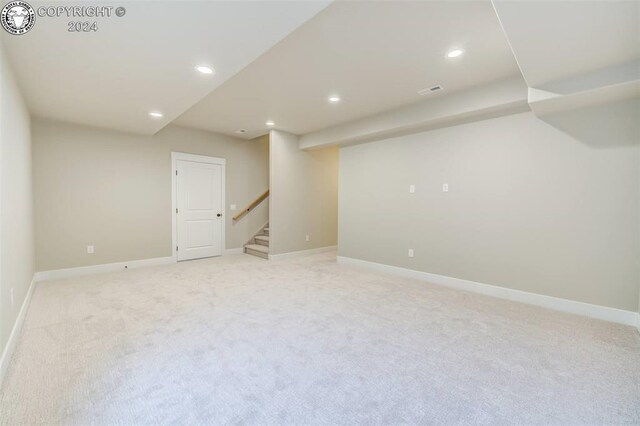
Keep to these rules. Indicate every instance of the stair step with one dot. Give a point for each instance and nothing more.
(257, 250)
(257, 247)
(263, 240)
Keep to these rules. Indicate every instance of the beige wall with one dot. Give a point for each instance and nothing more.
(113, 190)
(16, 202)
(303, 195)
(548, 209)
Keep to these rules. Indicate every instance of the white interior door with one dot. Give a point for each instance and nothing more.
(200, 225)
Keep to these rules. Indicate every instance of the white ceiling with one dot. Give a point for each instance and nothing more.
(280, 60)
(375, 55)
(145, 60)
(553, 40)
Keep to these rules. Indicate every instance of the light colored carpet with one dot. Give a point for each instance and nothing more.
(239, 340)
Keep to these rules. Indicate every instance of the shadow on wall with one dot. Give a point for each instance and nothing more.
(602, 126)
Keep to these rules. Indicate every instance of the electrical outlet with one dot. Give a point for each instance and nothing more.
(412, 189)
(90, 249)
(306, 238)
(11, 296)
(233, 207)
(410, 253)
(445, 187)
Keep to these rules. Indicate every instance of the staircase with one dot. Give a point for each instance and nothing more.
(259, 244)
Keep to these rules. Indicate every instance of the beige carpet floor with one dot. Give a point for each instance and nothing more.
(239, 340)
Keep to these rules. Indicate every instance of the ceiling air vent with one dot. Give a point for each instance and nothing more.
(241, 131)
(430, 90)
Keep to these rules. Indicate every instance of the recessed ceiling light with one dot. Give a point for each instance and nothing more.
(334, 99)
(241, 131)
(204, 69)
(454, 53)
(156, 114)
(270, 123)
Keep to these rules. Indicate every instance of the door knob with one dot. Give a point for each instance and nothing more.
(219, 214)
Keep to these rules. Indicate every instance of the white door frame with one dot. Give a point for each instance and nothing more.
(175, 156)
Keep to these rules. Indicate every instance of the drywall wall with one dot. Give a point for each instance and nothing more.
(303, 195)
(112, 190)
(545, 208)
(17, 256)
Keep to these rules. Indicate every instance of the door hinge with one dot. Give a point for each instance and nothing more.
(176, 248)
(176, 173)
(176, 210)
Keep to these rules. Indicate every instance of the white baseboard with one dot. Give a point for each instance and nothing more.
(15, 332)
(301, 253)
(111, 267)
(98, 269)
(238, 250)
(571, 306)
